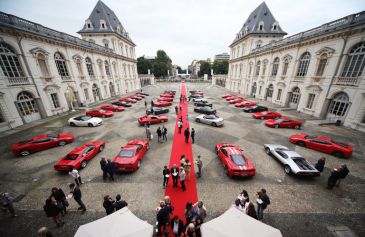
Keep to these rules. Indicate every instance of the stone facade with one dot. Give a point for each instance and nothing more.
(319, 72)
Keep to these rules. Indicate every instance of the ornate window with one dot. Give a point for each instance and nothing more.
(275, 66)
(339, 104)
(79, 67)
(264, 68)
(270, 90)
(295, 95)
(106, 43)
(26, 103)
(55, 102)
(279, 94)
(310, 100)
(322, 65)
(89, 66)
(9, 62)
(355, 63)
(61, 65)
(303, 64)
(261, 26)
(250, 70)
(41, 59)
(126, 51)
(285, 68)
(107, 67)
(258, 65)
(240, 75)
(86, 93)
(238, 51)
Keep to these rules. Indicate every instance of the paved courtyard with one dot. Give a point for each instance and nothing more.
(299, 207)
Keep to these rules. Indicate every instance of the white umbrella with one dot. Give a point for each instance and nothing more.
(235, 223)
(122, 223)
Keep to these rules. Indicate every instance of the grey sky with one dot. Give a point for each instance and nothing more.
(185, 29)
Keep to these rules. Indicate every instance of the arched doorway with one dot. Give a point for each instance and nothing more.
(294, 97)
(269, 92)
(28, 107)
(338, 107)
(96, 92)
(253, 89)
(111, 89)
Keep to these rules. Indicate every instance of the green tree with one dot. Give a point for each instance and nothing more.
(204, 68)
(161, 64)
(220, 66)
(143, 65)
(179, 70)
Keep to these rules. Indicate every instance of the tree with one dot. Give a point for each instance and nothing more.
(204, 68)
(220, 66)
(179, 70)
(143, 65)
(161, 64)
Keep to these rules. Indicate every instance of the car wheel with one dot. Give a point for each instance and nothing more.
(62, 143)
(72, 124)
(90, 125)
(267, 150)
(262, 118)
(197, 120)
(214, 124)
(101, 148)
(338, 154)
(297, 127)
(83, 164)
(139, 164)
(276, 126)
(301, 143)
(287, 169)
(24, 152)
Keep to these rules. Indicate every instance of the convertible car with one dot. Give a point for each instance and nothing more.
(98, 112)
(266, 115)
(121, 103)
(85, 121)
(113, 108)
(41, 142)
(235, 163)
(80, 156)
(323, 144)
(211, 119)
(152, 119)
(130, 156)
(283, 122)
(254, 108)
(157, 110)
(205, 110)
(292, 161)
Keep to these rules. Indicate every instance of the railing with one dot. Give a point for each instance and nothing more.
(15, 81)
(347, 81)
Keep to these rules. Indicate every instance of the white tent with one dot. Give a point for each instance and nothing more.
(235, 223)
(122, 223)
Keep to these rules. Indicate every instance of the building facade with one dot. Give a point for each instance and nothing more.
(44, 72)
(319, 72)
(194, 67)
(222, 56)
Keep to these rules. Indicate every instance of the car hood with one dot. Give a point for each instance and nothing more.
(95, 119)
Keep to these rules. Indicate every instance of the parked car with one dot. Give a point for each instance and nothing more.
(171, 96)
(162, 103)
(135, 97)
(113, 108)
(80, 156)
(228, 95)
(283, 122)
(210, 119)
(195, 91)
(165, 99)
(266, 115)
(99, 113)
(236, 100)
(170, 92)
(199, 99)
(234, 162)
(231, 98)
(254, 108)
(142, 93)
(292, 161)
(41, 142)
(157, 110)
(245, 104)
(323, 144)
(205, 110)
(152, 119)
(122, 103)
(85, 121)
(130, 156)
(127, 99)
(203, 103)
(196, 96)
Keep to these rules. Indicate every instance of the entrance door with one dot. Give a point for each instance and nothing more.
(28, 107)
(294, 98)
(95, 90)
(338, 107)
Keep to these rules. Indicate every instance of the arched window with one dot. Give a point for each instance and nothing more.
(303, 64)
(270, 91)
(258, 65)
(250, 70)
(9, 62)
(79, 67)
(264, 67)
(355, 63)
(295, 95)
(339, 104)
(26, 103)
(321, 64)
(61, 65)
(285, 68)
(107, 68)
(243, 49)
(275, 66)
(121, 48)
(89, 67)
(240, 75)
(126, 51)
(41, 59)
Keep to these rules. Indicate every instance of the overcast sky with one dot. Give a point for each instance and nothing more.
(185, 29)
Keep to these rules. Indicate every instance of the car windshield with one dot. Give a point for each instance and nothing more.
(310, 137)
(238, 160)
(71, 157)
(24, 142)
(85, 118)
(126, 153)
(53, 135)
(278, 120)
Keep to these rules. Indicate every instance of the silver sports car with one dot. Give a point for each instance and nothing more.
(292, 161)
(211, 119)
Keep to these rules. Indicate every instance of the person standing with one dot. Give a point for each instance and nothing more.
(148, 132)
(103, 166)
(159, 134)
(60, 197)
(192, 134)
(182, 178)
(119, 203)
(179, 125)
(164, 133)
(263, 201)
(187, 135)
(250, 211)
(110, 169)
(166, 175)
(177, 226)
(200, 210)
(175, 175)
(176, 110)
(145, 104)
(7, 204)
(343, 173)
(108, 204)
(199, 163)
(52, 210)
(76, 193)
(320, 164)
(187, 166)
(332, 179)
(75, 175)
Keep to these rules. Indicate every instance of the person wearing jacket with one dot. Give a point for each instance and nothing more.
(108, 204)
(52, 210)
(166, 175)
(320, 164)
(175, 175)
(76, 193)
(177, 226)
(163, 216)
(60, 197)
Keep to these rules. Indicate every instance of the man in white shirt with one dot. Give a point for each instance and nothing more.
(75, 174)
(182, 178)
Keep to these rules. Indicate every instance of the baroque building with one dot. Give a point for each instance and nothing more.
(319, 72)
(44, 72)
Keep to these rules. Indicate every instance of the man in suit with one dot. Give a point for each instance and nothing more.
(187, 135)
(103, 166)
(111, 169)
(177, 226)
(76, 192)
(175, 175)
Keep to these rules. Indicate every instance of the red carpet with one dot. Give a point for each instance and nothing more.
(178, 197)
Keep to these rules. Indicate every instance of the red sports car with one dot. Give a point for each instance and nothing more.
(266, 115)
(168, 95)
(235, 163)
(41, 142)
(162, 103)
(127, 99)
(198, 93)
(226, 96)
(98, 112)
(323, 144)
(130, 156)
(140, 95)
(165, 99)
(112, 107)
(152, 119)
(135, 97)
(80, 156)
(245, 104)
(283, 122)
(236, 100)
(231, 98)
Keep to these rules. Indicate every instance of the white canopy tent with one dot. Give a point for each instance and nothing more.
(235, 223)
(122, 223)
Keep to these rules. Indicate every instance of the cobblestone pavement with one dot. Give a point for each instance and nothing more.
(299, 207)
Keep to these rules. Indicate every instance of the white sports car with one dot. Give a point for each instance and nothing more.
(85, 121)
(211, 119)
(292, 161)
(199, 99)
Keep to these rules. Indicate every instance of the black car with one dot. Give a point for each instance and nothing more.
(121, 103)
(157, 110)
(194, 91)
(205, 110)
(203, 103)
(196, 96)
(255, 108)
(142, 93)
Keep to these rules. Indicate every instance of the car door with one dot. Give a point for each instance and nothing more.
(223, 155)
(321, 145)
(154, 119)
(89, 152)
(42, 144)
(138, 153)
(206, 119)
